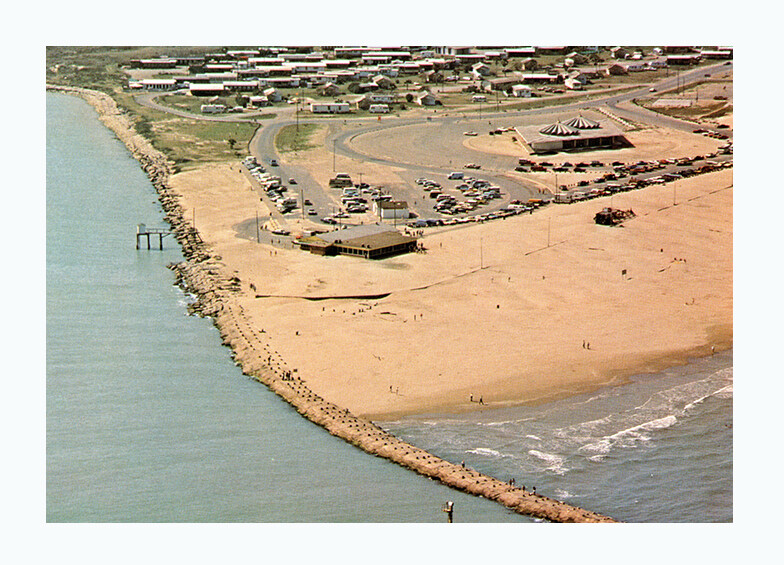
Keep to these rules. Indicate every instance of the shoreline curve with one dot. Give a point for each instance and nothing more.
(204, 275)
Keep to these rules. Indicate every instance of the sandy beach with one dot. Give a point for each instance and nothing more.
(509, 332)
(521, 310)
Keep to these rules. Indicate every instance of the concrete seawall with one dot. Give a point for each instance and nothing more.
(217, 291)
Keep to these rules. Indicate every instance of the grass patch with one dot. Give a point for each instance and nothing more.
(290, 138)
(187, 141)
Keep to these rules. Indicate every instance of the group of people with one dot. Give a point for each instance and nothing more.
(471, 398)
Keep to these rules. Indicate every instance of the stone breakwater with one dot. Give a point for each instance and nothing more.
(217, 290)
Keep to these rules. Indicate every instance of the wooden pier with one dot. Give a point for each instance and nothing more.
(144, 231)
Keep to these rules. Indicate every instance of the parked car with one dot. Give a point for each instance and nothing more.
(470, 133)
(292, 181)
(472, 166)
(273, 162)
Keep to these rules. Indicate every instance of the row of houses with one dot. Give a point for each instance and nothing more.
(407, 59)
(374, 103)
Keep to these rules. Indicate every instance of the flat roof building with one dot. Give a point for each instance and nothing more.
(371, 241)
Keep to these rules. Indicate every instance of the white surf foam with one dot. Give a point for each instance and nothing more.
(562, 494)
(626, 438)
(554, 462)
(487, 452)
(637, 432)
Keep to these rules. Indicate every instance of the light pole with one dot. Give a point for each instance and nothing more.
(334, 144)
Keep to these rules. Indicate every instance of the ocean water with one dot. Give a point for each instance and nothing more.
(656, 450)
(149, 420)
(147, 417)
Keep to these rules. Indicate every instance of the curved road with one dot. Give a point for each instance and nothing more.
(452, 155)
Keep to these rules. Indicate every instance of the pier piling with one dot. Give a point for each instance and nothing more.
(144, 231)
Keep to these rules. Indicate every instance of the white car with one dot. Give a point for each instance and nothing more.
(470, 133)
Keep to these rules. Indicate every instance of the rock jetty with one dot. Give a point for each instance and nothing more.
(217, 290)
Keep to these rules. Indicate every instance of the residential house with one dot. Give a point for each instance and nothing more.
(329, 89)
(424, 98)
(272, 94)
(616, 69)
(383, 82)
(480, 69)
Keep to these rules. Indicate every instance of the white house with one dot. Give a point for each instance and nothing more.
(258, 101)
(272, 95)
(424, 98)
(329, 107)
(480, 69)
(379, 98)
(212, 108)
(521, 91)
(391, 209)
(158, 84)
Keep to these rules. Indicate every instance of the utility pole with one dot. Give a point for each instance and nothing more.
(334, 148)
(257, 227)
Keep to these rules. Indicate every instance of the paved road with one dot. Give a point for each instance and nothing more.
(437, 154)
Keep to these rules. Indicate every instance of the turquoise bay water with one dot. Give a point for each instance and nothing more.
(147, 417)
(149, 420)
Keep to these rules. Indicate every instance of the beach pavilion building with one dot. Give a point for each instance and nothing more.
(371, 241)
(578, 133)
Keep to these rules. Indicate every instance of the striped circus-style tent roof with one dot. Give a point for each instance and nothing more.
(558, 129)
(582, 123)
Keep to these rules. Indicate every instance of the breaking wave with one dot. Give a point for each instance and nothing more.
(554, 462)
